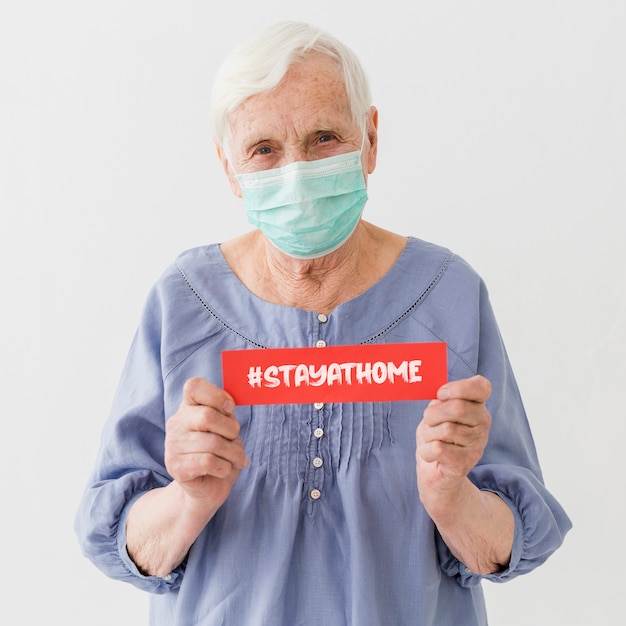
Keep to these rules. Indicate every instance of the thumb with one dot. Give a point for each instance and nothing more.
(200, 392)
(474, 389)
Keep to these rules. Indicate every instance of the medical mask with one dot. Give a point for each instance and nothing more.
(309, 208)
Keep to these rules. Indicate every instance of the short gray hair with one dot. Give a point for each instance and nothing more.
(260, 63)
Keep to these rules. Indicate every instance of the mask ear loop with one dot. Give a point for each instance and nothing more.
(363, 135)
(226, 150)
(231, 168)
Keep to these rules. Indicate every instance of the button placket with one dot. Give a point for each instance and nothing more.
(317, 460)
(316, 455)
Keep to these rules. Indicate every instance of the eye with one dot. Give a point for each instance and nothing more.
(263, 150)
(325, 138)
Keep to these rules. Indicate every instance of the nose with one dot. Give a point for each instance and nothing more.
(294, 154)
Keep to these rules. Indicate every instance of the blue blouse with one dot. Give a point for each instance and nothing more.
(325, 526)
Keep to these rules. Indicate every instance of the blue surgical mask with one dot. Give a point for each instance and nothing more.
(309, 208)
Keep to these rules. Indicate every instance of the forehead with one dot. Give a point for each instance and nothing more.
(312, 95)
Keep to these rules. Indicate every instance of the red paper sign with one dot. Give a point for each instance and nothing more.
(361, 373)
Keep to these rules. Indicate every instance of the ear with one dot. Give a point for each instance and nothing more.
(221, 155)
(372, 136)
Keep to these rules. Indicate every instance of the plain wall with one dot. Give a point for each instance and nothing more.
(502, 136)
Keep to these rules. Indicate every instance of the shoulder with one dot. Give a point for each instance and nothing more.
(196, 257)
(175, 284)
(440, 262)
(455, 294)
(188, 263)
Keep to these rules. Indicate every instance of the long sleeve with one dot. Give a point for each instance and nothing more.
(130, 460)
(510, 465)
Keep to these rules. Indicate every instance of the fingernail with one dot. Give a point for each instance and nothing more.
(229, 406)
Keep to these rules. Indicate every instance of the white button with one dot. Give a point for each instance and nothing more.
(319, 405)
(319, 433)
(322, 318)
(315, 494)
(320, 344)
(167, 577)
(318, 462)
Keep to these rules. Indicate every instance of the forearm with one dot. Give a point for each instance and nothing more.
(161, 527)
(477, 526)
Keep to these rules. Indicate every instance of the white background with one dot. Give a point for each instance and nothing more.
(502, 136)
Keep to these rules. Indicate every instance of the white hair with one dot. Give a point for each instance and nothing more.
(260, 63)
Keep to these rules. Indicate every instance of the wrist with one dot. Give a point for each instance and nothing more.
(443, 500)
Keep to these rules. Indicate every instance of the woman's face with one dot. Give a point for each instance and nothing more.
(307, 117)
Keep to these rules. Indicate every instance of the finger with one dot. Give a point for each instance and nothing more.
(192, 421)
(474, 389)
(212, 443)
(219, 457)
(454, 411)
(462, 435)
(447, 454)
(199, 391)
(459, 452)
(192, 466)
(205, 455)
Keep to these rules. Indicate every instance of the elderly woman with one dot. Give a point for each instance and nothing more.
(336, 513)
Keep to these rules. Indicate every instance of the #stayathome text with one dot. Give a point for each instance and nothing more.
(334, 374)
